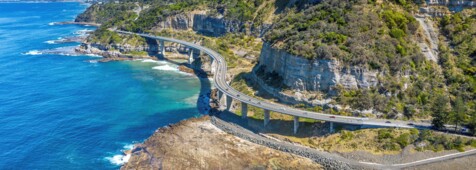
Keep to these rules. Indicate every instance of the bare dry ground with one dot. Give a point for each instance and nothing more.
(197, 144)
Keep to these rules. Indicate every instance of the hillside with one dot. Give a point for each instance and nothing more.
(359, 57)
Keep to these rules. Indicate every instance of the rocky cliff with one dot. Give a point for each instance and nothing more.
(301, 74)
(210, 25)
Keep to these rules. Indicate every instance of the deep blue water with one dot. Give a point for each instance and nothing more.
(65, 112)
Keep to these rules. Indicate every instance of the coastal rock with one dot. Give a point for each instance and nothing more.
(301, 74)
(197, 144)
(210, 25)
(107, 53)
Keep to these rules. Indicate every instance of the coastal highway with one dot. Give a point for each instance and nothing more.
(221, 84)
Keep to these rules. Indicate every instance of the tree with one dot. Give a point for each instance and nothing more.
(459, 112)
(440, 111)
(472, 122)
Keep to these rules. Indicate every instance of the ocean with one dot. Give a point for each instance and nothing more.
(61, 110)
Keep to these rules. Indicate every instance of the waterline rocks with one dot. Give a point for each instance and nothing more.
(197, 144)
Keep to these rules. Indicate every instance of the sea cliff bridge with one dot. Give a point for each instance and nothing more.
(226, 94)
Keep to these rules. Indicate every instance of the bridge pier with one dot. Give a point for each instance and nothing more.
(296, 124)
(266, 117)
(162, 47)
(331, 127)
(213, 65)
(244, 110)
(228, 101)
(190, 56)
(220, 99)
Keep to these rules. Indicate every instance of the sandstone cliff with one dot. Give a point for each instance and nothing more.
(210, 25)
(301, 74)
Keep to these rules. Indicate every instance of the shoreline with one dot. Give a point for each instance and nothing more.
(76, 23)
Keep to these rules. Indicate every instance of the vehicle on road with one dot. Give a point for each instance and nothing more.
(411, 124)
(388, 122)
(333, 117)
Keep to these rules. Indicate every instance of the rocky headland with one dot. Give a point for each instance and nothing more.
(197, 144)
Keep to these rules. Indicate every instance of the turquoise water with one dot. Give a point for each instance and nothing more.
(67, 112)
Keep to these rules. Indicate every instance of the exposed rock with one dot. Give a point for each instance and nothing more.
(107, 54)
(210, 25)
(301, 74)
(197, 144)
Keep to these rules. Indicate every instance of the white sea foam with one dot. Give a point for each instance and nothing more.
(119, 159)
(83, 32)
(150, 61)
(128, 146)
(93, 55)
(50, 42)
(166, 68)
(33, 52)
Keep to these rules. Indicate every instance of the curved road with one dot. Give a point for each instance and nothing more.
(220, 83)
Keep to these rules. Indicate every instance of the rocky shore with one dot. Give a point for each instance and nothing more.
(108, 55)
(197, 144)
(77, 23)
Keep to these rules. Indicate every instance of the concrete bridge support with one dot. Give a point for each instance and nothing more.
(296, 124)
(162, 48)
(220, 99)
(244, 110)
(229, 100)
(190, 56)
(331, 127)
(213, 65)
(266, 117)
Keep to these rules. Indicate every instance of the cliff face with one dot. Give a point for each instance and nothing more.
(301, 74)
(210, 25)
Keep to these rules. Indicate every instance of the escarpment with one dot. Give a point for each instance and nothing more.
(302, 74)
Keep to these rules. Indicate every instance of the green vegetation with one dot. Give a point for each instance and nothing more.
(458, 60)
(104, 36)
(102, 13)
(351, 32)
(384, 141)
